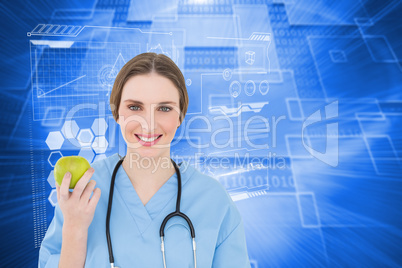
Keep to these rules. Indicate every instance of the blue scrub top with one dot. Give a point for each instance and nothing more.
(134, 228)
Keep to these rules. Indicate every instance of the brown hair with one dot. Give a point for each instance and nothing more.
(146, 63)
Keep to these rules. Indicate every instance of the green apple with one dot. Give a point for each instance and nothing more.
(76, 165)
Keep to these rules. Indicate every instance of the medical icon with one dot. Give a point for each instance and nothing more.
(106, 77)
(249, 88)
(235, 89)
(250, 57)
(227, 74)
(263, 87)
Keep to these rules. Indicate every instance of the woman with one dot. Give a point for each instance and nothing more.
(149, 101)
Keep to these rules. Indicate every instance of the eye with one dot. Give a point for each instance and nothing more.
(133, 107)
(165, 109)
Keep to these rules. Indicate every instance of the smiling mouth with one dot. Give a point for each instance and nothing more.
(148, 139)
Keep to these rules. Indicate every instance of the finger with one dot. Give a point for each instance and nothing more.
(95, 198)
(82, 183)
(65, 186)
(58, 192)
(87, 192)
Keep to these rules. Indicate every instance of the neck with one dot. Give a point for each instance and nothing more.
(148, 171)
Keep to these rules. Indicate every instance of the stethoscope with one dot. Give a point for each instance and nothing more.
(162, 229)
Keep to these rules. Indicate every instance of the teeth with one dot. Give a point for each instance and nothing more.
(146, 139)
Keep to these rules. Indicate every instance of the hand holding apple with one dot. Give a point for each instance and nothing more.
(76, 165)
(78, 207)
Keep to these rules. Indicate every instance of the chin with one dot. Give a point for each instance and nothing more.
(149, 151)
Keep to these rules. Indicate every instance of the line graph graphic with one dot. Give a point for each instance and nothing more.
(42, 94)
(81, 73)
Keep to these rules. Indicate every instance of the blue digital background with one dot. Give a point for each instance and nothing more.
(330, 71)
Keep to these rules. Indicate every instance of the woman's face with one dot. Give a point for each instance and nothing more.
(149, 114)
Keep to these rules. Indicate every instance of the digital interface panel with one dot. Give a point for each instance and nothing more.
(294, 107)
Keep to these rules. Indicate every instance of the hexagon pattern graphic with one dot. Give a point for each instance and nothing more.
(99, 157)
(89, 137)
(54, 140)
(87, 153)
(99, 126)
(53, 157)
(85, 137)
(53, 197)
(50, 179)
(70, 129)
(100, 145)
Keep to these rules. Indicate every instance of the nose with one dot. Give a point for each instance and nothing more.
(149, 121)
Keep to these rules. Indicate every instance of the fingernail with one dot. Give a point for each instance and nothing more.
(91, 169)
(68, 174)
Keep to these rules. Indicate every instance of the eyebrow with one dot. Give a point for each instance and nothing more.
(139, 102)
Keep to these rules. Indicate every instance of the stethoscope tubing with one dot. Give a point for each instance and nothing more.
(177, 213)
